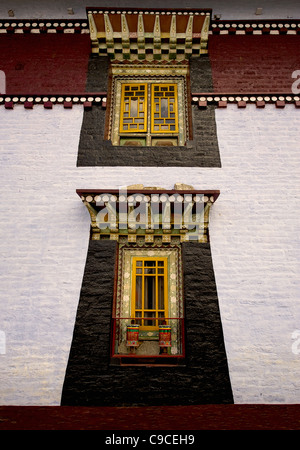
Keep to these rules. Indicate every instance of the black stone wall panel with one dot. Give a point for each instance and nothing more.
(91, 379)
(201, 151)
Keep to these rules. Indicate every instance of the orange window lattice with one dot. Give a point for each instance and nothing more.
(164, 112)
(134, 108)
(149, 292)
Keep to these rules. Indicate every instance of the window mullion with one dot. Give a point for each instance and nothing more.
(149, 108)
(156, 293)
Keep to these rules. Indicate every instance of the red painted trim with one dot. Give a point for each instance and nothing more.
(80, 192)
(45, 62)
(139, 9)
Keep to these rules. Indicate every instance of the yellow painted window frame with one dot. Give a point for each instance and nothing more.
(144, 110)
(143, 310)
(164, 90)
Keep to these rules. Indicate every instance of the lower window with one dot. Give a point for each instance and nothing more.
(149, 292)
(148, 320)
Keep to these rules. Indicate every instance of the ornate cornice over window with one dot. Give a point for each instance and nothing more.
(149, 33)
(149, 212)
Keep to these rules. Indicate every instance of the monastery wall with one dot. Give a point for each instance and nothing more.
(254, 231)
(254, 224)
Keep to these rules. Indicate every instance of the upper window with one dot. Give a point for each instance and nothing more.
(133, 108)
(149, 113)
(149, 292)
(148, 105)
(162, 108)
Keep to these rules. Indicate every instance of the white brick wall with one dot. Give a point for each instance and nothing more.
(43, 245)
(255, 245)
(254, 237)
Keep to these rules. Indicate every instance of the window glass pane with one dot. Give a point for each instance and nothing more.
(138, 292)
(161, 300)
(138, 314)
(149, 323)
(133, 107)
(149, 292)
(164, 107)
(150, 263)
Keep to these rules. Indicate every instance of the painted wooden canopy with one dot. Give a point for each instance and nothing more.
(149, 33)
(181, 213)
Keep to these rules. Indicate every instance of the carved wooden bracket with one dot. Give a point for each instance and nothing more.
(139, 34)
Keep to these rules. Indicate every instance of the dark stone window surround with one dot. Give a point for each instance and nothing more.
(201, 151)
(90, 378)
